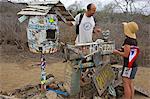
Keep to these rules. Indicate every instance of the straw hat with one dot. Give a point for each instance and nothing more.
(130, 29)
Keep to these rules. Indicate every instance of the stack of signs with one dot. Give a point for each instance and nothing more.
(42, 33)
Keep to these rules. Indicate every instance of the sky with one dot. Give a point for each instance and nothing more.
(139, 3)
(69, 2)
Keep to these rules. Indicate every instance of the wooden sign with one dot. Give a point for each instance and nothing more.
(103, 78)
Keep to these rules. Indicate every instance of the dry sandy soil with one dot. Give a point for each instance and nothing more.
(18, 68)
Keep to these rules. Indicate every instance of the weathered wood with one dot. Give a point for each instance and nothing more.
(60, 15)
(64, 13)
(34, 9)
(31, 13)
(7, 97)
(44, 2)
(40, 7)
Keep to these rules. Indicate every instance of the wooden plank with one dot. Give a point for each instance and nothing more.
(68, 17)
(71, 15)
(44, 2)
(60, 15)
(33, 9)
(40, 7)
(85, 44)
(117, 66)
(29, 9)
(31, 13)
(60, 8)
(35, 1)
(65, 13)
(7, 97)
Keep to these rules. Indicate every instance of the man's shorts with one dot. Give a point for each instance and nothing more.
(129, 72)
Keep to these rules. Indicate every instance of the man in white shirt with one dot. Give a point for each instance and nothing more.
(86, 25)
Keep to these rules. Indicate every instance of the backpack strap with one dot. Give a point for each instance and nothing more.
(77, 26)
(80, 19)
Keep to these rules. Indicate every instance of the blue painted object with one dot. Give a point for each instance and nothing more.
(58, 91)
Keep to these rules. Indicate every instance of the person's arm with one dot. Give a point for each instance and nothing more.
(125, 53)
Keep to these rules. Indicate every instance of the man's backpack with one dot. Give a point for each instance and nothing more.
(77, 26)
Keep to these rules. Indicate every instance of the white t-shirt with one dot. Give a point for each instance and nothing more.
(85, 29)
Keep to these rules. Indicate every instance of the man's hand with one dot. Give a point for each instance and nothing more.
(97, 30)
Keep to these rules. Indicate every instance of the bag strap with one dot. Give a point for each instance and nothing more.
(81, 16)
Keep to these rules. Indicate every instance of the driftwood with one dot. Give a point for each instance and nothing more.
(7, 97)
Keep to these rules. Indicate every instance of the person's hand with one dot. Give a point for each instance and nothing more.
(115, 51)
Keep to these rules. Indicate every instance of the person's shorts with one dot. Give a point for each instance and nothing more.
(129, 73)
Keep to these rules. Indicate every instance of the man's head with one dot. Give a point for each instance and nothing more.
(91, 9)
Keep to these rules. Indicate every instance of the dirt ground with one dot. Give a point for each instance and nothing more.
(19, 68)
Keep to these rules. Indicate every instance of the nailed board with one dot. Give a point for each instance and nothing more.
(32, 13)
(103, 78)
(42, 33)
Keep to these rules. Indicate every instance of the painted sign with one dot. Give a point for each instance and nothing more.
(103, 78)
